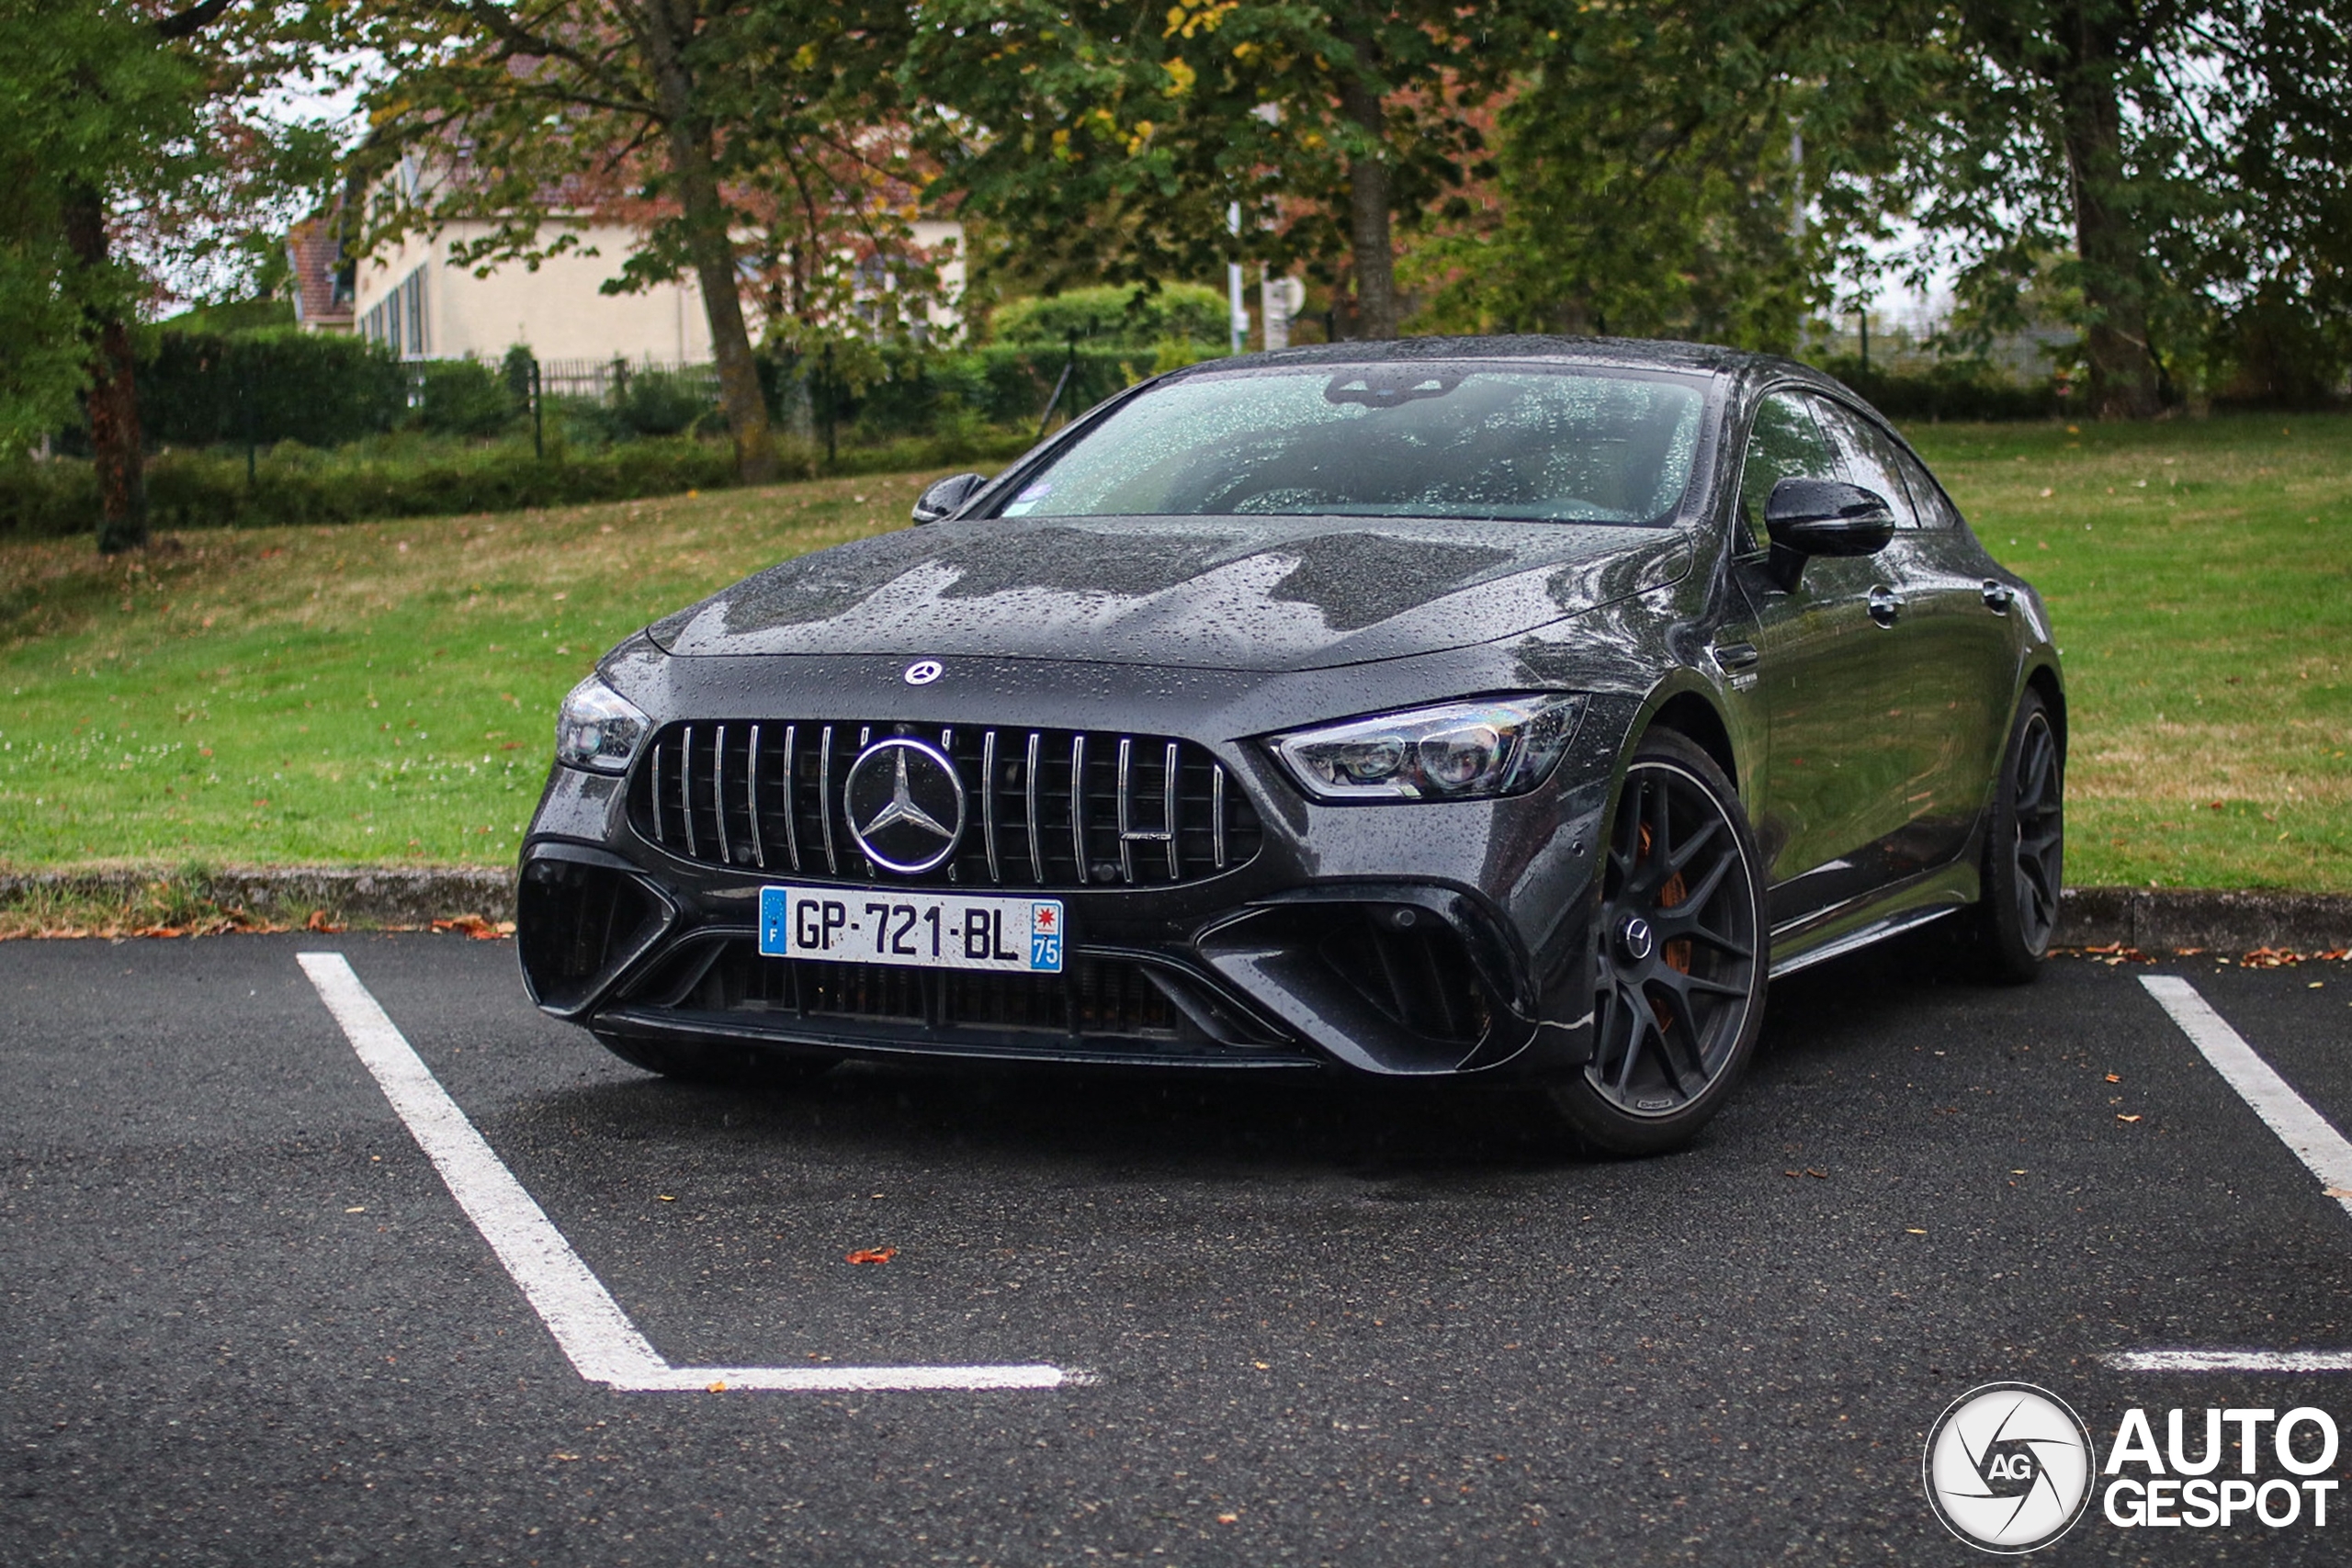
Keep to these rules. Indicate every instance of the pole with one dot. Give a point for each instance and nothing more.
(245, 407)
(830, 409)
(1238, 312)
(538, 413)
(1863, 316)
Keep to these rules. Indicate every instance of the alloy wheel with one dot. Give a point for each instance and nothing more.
(1678, 944)
(2039, 813)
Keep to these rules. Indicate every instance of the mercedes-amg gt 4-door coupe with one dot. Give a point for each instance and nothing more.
(1507, 707)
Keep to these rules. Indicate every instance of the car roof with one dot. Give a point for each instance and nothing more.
(1632, 353)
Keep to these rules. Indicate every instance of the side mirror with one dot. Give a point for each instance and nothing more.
(1823, 517)
(947, 497)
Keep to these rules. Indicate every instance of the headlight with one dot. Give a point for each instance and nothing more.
(598, 728)
(1457, 751)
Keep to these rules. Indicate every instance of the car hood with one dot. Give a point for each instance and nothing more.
(1222, 593)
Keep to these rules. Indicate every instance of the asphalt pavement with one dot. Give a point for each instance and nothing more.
(245, 1321)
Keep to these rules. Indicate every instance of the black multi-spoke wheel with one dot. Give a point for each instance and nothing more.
(2025, 850)
(1679, 969)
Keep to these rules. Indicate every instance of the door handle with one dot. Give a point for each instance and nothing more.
(1999, 596)
(1886, 606)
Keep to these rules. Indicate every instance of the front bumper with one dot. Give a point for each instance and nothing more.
(1414, 939)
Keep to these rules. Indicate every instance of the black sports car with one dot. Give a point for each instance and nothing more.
(1502, 706)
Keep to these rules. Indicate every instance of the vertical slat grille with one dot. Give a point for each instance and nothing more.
(1045, 808)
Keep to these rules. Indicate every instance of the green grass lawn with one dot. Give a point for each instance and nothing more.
(383, 692)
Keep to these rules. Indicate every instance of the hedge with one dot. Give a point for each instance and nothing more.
(320, 389)
(296, 485)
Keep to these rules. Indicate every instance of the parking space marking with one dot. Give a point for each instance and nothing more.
(2314, 1141)
(589, 1325)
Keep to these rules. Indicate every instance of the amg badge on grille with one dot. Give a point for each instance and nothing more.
(905, 805)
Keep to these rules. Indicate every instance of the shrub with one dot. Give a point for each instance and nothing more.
(463, 397)
(207, 490)
(1130, 316)
(207, 389)
(665, 403)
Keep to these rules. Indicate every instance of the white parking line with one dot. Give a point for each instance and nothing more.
(589, 1327)
(2315, 1142)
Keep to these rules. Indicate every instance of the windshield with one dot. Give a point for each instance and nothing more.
(1385, 440)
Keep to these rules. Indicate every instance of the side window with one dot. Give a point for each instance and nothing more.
(1936, 510)
(1783, 444)
(1870, 460)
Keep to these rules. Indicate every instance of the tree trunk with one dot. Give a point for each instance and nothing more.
(113, 400)
(1372, 248)
(667, 29)
(2112, 251)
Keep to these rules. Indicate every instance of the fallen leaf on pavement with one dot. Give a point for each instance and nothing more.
(873, 1254)
(2120, 1117)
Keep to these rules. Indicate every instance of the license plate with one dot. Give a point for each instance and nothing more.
(927, 931)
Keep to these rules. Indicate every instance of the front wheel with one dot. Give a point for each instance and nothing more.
(1680, 957)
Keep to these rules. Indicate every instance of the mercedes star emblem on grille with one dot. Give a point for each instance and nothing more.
(922, 672)
(905, 805)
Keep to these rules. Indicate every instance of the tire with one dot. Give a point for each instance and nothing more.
(2009, 929)
(1679, 953)
(742, 1066)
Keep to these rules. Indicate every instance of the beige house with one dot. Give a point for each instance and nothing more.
(427, 307)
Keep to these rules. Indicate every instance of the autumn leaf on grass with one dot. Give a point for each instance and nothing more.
(873, 1254)
(320, 923)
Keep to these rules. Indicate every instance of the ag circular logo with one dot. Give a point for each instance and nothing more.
(2009, 1467)
(905, 805)
(922, 672)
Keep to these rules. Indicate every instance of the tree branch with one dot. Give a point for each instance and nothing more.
(192, 21)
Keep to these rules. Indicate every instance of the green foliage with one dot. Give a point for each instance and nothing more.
(233, 317)
(396, 478)
(463, 397)
(91, 101)
(320, 389)
(665, 403)
(1676, 170)
(1104, 139)
(1127, 316)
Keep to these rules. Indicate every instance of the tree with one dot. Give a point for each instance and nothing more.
(753, 139)
(125, 149)
(1108, 139)
(2188, 160)
(1678, 169)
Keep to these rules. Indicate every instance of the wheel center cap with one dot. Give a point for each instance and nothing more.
(1636, 940)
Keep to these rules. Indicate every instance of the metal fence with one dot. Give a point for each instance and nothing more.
(607, 380)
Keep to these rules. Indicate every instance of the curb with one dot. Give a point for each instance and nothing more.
(2153, 919)
(362, 895)
(2159, 919)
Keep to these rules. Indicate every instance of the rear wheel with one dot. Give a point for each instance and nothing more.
(713, 1063)
(2025, 851)
(1679, 968)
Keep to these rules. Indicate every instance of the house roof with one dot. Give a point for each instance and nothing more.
(321, 290)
